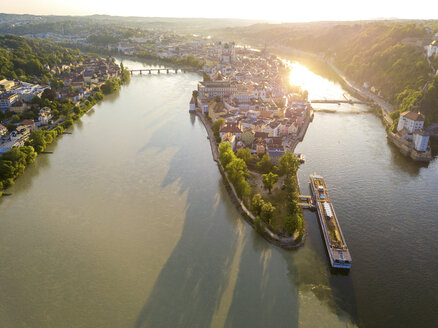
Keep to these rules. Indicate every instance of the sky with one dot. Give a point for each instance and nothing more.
(273, 10)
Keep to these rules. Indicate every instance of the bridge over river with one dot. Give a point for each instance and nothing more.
(158, 70)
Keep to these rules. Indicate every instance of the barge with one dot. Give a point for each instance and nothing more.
(334, 239)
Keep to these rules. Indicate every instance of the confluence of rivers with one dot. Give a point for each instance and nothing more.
(128, 224)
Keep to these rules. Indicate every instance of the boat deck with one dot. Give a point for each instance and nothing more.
(334, 239)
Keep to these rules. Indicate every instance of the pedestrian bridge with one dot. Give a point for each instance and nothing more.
(157, 70)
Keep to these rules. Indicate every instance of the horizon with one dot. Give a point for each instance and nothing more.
(313, 11)
(268, 21)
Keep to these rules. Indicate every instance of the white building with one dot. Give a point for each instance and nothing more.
(3, 130)
(431, 49)
(7, 100)
(6, 85)
(192, 104)
(211, 89)
(27, 91)
(226, 52)
(421, 140)
(411, 121)
(45, 116)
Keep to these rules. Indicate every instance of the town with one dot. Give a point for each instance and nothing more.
(249, 92)
(23, 115)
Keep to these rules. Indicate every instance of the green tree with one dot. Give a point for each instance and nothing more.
(226, 154)
(216, 127)
(49, 94)
(37, 139)
(269, 180)
(110, 86)
(288, 163)
(67, 123)
(245, 154)
(15, 118)
(243, 188)
(267, 212)
(248, 138)
(11, 127)
(236, 170)
(293, 223)
(257, 203)
(265, 164)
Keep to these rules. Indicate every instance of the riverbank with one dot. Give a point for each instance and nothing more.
(280, 241)
(17, 159)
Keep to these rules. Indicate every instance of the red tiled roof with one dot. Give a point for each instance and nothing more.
(27, 122)
(230, 127)
(413, 116)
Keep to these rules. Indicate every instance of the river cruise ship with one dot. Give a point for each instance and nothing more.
(334, 239)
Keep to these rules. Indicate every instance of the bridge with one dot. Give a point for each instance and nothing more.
(346, 100)
(158, 70)
(341, 101)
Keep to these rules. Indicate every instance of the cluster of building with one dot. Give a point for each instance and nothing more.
(15, 95)
(410, 138)
(79, 79)
(18, 136)
(250, 91)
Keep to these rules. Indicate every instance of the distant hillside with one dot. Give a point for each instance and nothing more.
(24, 24)
(386, 54)
(26, 60)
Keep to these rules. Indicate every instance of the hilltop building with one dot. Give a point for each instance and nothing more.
(432, 48)
(410, 121)
(410, 137)
(226, 53)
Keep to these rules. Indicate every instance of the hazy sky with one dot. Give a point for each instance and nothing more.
(281, 10)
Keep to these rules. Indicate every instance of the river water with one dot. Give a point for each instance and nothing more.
(128, 224)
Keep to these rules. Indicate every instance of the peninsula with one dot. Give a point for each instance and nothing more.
(254, 119)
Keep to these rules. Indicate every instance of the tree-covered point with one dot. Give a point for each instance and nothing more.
(25, 59)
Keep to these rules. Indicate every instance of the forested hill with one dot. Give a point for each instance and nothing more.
(29, 60)
(387, 55)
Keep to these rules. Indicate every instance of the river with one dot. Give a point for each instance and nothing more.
(128, 224)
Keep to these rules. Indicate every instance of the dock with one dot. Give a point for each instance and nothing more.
(337, 249)
(306, 202)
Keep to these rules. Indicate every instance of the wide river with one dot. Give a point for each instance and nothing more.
(128, 224)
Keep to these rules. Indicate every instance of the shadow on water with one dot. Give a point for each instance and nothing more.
(217, 266)
(192, 119)
(333, 288)
(263, 297)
